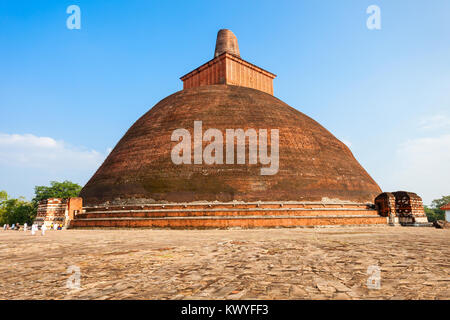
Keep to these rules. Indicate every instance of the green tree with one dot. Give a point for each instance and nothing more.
(440, 202)
(65, 189)
(24, 212)
(3, 198)
(431, 214)
(3, 195)
(434, 212)
(15, 210)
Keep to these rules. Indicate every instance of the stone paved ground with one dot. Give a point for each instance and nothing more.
(326, 263)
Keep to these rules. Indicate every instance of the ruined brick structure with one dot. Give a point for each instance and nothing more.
(57, 211)
(385, 204)
(401, 207)
(319, 181)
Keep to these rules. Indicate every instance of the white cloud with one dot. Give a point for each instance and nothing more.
(27, 160)
(44, 152)
(26, 139)
(422, 166)
(435, 122)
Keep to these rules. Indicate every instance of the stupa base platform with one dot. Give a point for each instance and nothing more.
(228, 215)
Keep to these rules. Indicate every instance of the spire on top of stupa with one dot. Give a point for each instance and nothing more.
(227, 67)
(226, 42)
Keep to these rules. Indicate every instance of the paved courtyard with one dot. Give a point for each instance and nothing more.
(325, 263)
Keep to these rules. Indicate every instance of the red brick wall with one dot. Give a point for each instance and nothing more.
(74, 205)
(232, 70)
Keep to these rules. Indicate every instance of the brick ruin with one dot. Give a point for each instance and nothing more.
(58, 211)
(385, 204)
(401, 207)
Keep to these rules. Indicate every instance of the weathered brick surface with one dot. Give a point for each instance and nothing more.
(74, 206)
(226, 42)
(225, 223)
(403, 206)
(223, 215)
(228, 205)
(385, 204)
(229, 69)
(408, 204)
(50, 211)
(313, 163)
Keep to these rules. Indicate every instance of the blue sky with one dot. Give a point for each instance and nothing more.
(67, 96)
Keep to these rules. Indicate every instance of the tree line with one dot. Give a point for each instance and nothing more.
(19, 210)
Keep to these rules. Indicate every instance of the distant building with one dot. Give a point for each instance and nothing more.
(446, 208)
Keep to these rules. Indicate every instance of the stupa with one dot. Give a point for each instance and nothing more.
(164, 171)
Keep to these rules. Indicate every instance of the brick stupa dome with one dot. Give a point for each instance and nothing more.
(313, 164)
(227, 93)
